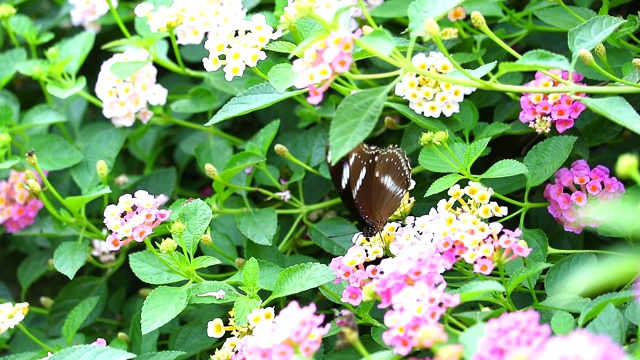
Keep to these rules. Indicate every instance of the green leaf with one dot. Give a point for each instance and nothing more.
(10, 60)
(196, 215)
(77, 316)
(423, 9)
(470, 338)
(431, 160)
(162, 305)
(281, 76)
(420, 120)
(81, 352)
(71, 295)
(70, 256)
(474, 150)
(391, 9)
(204, 261)
(544, 59)
(64, 92)
(380, 40)
(561, 18)
(522, 274)
(200, 290)
(565, 302)
(76, 203)
(151, 270)
(280, 46)
(41, 115)
(333, 235)
(75, 50)
(199, 99)
(476, 289)
(598, 305)
(504, 168)
(239, 162)
(139, 343)
(609, 322)
(126, 69)
(23, 26)
(546, 157)
(260, 143)
(476, 73)
(301, 277)
(251, 273)
(32, 268)
(243, 306)
(22, 356)
(255, 98)
(161, 355)
(562, 322)
(616, 109)
(355, 118)
(593, 32)
(559, 276)
(443, 184)
(258, 225)
(103, 143)
(54, 152)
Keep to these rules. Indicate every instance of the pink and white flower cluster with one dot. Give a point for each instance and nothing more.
(18, 206)
(519, 335)
(124, 99)
(134, 218)
(238, 45)
(87, 12)
(323, 61)
(428, 96)
(542, 111)
(11, 315)
(585, 187)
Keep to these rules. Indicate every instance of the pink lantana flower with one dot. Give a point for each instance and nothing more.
(18, 206)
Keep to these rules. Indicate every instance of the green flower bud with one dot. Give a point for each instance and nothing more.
(240, 262)
(46, 302)
(6, 11)
(586, 56)
(206, 240)
(600, 50)
(167, 246)
(177, 228)
(210, 170)
(441, 137)
(426, 138)
(390, 123)
(144, 292)
(431, 27)
(102, 169)
(636, 63)
(31, 158)
(34, 187)
(626, 165)
(5, 140)
(478, 20)
(124, 337)
(281, 150)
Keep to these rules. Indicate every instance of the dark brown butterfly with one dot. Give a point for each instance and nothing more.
(371, 183)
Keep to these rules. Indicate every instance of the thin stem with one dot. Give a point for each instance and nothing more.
(118, 20)
(35, 339)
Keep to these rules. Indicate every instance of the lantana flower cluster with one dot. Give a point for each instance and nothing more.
(18, 206)
(123, 100)
(577, 190)
(520, 335)
(542, 111)
(295, 330)
(134, 218)
(11, 315)
(87, 12)
(428, 96)
(323, 61)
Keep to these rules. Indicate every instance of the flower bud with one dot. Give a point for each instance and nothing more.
(30, 175)
(102, 169)
(31, 158)
(478, 20)
(586, 56)
(390, 123)
(281, 150)
(210, 170)
(441, 137)
(431, 27)
(600, 50)
(206, 240)
(368, 294)
(124, 337)
(46, 302)
(626, 165)
(636, 63)
(6, 11)
(5, 140)
(426, 138)
(178, 228)
(50, 264)
(144, 292)
(34, 187)
(121, 180)
(240, 262)
(167, 246)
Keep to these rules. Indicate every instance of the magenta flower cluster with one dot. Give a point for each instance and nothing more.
(580, 344)
(18, 206)
(295, 330)
(412, 286)
(516, 335)
(542, 111)
(575, 191)
(134, 218)
(323, 61)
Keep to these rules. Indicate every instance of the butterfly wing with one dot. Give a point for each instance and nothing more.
(341, 175)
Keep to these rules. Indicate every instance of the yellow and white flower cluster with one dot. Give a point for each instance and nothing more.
(429, 96)
(11, 315)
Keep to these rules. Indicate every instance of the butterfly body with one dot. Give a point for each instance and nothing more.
(371, 183)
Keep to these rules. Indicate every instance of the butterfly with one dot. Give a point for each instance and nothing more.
(371, 183)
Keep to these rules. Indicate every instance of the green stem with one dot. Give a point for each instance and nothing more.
(35, 339)
(174, 45)
(118, 20)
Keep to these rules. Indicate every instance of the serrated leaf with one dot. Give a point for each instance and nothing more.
(281, 76)
(616, 109)
(524, 273)
(546, 157)
(77, 316)
(474, 150)
(380, 40)
(477, 289)
(82, 352)
(565, 302)
(161, 355)
(559, 276)
(258, 225)
(139, 343)
(470, 338)
(430, 159)
(105, 144)
(561, 18)
(67, 90)
(40, 115)
(443, 184)
(562, 322)
(199, 293)
(204, 261)
(196, 215)
(281, 46)
(391, 9)
(298, 278)
(54, 152)
(239, 162)
(162, 305)
(333, 235)
(32, 268)
(597, 305)
(75, 50)
(420, 120)
(251, 273)
(355, 118)
(76, 203)
(199, 99)
(255, 98)
(504, 168)
(243, 306)
(125, 69)
(545, 60)
(593, 32)
(10, 60)
(476, 73)
(70, 256)
(262, 140)
(609, 322)
(148, 268)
